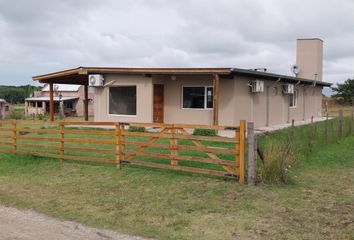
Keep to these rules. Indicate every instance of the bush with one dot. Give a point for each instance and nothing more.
(16, 115)
(277, 160)
(136, 129)
(204, 132)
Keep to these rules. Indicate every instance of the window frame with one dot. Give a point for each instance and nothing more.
(295, 96)
(205, 97)
(136, 101)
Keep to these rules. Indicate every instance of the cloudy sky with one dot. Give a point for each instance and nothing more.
(38, 37)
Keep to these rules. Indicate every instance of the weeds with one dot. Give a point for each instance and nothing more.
(284, 148)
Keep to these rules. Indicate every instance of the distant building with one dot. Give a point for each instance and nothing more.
(71, 95)
(5, 109)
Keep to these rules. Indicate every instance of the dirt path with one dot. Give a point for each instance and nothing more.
(29, 225)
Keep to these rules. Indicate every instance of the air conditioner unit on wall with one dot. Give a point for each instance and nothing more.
(257, 86)
(96, 80)
(288, 88)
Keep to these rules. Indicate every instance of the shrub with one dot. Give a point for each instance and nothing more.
(136, 129)
(277, 160)
(16, 115)
(204, 132)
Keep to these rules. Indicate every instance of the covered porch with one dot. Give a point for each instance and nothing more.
(156, 78)
(35, 106)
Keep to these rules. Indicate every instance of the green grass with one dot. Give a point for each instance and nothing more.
(317, 204)
(290, 146)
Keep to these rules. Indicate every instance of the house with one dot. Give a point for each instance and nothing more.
(71, 97)
(5, 109)
(220, 96)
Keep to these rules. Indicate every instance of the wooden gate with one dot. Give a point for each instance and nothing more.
(163, 146)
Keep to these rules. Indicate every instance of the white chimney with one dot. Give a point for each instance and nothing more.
(309, 58)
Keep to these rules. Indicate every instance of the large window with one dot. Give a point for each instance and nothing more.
(122, 100)
(197, 97)
(293, 99)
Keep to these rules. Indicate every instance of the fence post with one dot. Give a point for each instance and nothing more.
(173, 146)
(62, 150)
(293, 123)
(252, 146)
(118, 145)
(121, 143)
(14, 131)
(340, 125)
(242, 152)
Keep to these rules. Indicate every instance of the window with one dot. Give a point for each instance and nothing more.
(39, 104)
(122, 100)
(293, 99)
(69, 105)
(7, 108)
(197, 97)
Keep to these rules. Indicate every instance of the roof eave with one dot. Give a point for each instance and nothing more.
(266, 75)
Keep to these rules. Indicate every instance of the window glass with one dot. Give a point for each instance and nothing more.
(69, 104)
(209, 95)
(193, 97)
(122, 100)
(293, 99)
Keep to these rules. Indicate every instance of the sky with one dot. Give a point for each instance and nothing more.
(38, 37)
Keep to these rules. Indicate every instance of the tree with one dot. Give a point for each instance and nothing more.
(345, 91)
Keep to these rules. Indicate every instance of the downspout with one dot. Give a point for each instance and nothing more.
(267, 100)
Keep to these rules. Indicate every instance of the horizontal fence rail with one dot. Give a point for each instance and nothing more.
(162, 146)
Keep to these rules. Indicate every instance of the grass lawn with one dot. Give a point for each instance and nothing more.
(317, 204)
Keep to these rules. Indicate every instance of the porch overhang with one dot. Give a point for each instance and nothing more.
(79, 75)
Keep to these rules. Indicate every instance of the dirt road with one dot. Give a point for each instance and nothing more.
(29, 225)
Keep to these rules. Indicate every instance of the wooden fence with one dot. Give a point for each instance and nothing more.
(164, 146)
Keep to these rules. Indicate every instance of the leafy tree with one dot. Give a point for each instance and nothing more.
(17, 94)
(345, 91)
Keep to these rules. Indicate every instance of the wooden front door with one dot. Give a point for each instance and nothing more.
(158, 103)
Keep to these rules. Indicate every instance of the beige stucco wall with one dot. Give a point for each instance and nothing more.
(236, 101)
(144, 98)
(173, 112)
(5, 110)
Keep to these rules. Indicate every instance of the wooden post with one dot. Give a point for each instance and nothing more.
(61, 110)
(36, 112)
(118, 146)
(121, 143)
(173, 147)
(62, 146)
(216, 82)
(292, 122)
(326, 129)
(242, 152)
(252, 146)
(311, 119)
(340, 123)
(51, 102)
(86, 101)
(14, 134)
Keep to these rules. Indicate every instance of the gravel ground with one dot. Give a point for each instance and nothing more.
(28, 225)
